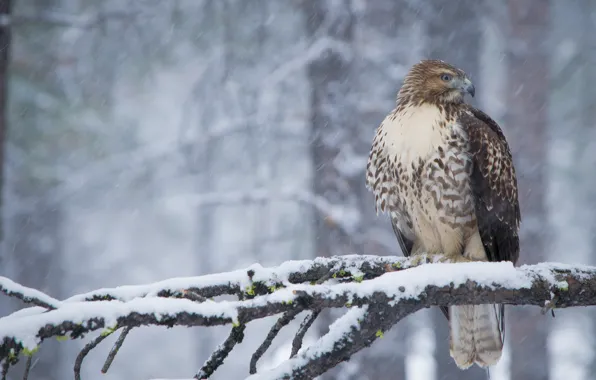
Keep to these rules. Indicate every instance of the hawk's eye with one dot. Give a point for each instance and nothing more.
(446, 77)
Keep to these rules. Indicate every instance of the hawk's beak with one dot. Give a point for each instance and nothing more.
(468, 87)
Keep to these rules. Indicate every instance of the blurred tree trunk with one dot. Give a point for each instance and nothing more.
(588, 99)
(527, 122)
(33, 229)
(5, 13)
(329, 76)
(571, 163)
(454, 35)
(5, 40)
(331, 117)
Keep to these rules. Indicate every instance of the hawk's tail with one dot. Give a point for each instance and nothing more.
(476, 335)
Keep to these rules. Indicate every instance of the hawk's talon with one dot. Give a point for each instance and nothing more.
(416, 260)
(423, 258)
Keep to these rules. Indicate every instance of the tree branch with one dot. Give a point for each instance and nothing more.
(286, 318)
(84, 352)
(304, 326)
(115, 349)
(221, 353)
(27, 367)
(379, 291)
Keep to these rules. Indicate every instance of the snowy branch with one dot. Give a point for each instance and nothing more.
(27, 295)
(378, 291)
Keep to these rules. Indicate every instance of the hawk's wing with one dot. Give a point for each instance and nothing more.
(404, 243)
(494, 186)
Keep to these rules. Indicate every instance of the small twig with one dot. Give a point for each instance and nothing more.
(27, 367)
(88, 347)
(5, 367)
(307, 322)
(286, 318)
(304, 326)
(221, 353)
(115, 349)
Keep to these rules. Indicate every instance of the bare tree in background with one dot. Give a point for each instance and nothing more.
(334, 131)
(527, 120)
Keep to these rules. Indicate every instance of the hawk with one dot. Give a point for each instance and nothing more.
(442, 170)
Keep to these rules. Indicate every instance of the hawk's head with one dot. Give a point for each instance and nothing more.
(436, 82)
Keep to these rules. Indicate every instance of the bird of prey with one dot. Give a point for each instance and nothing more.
(443, 172)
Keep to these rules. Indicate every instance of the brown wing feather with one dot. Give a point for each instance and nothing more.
(404, 243)
(494, 186)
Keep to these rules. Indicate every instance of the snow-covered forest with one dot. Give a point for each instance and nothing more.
(150, 140)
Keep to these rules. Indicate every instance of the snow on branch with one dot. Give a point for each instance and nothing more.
(27, 295)
(377, 291)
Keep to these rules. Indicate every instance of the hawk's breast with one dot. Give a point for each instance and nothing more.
(419, 171)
